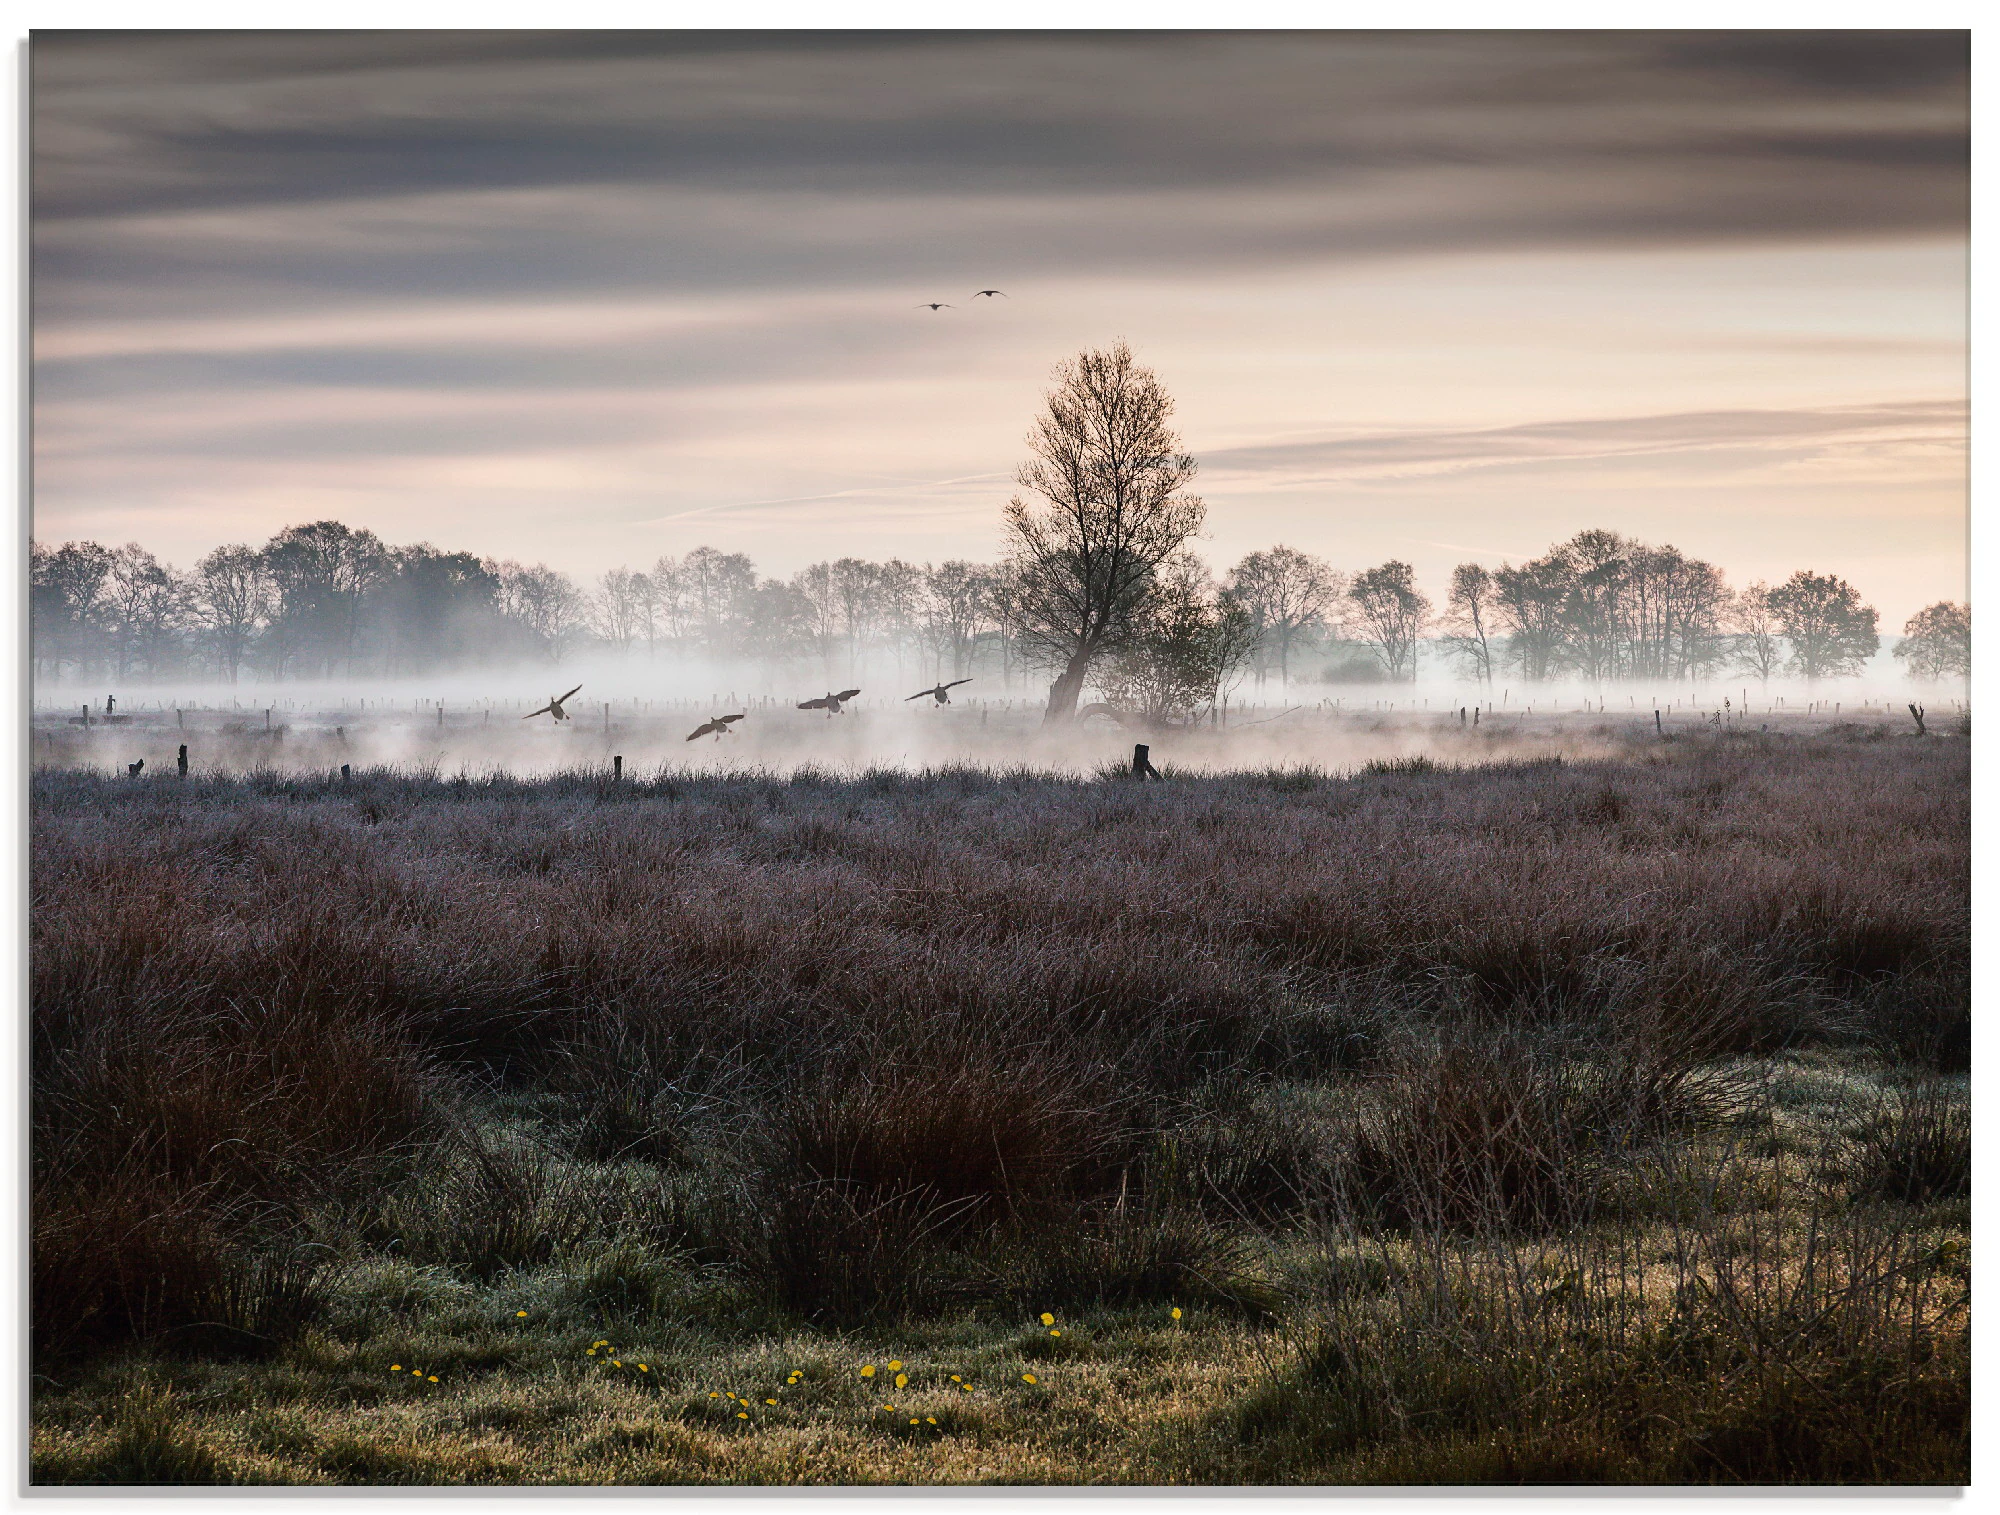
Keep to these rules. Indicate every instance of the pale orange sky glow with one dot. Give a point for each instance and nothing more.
(1428, 297)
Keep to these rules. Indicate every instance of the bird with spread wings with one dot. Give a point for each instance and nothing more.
(938, 693)
(720, 726)
(554, 708)
(830, 702)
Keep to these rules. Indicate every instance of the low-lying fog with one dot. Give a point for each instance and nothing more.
(476, 725)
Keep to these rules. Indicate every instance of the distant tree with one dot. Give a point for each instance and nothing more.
(1183, 641)
(619, 608)
(1470, 623)
(953, 607)
(543, 606)
(1599, 567)
(231, 596)
(1390, 614)
(144, 604)
(715, 589)
(1287, 594)
(66, 596)
(1534, 603)
(1937, 641)
(1111, 477)
(1758, 633)
(1831, 632)
(320, 572)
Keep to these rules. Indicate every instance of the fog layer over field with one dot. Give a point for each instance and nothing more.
(479, 724)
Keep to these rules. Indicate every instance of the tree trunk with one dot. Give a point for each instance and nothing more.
(1065, 691)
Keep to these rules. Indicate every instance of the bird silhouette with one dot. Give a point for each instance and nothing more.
(830, 702)
(936, 305)
(554, 708)
(989, 293)
(937, 693)
(720, 726)
(132, 769)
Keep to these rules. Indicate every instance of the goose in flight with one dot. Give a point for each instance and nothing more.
(936, 305)
(720, 726)
(938, 693)
(554, 708)
(830, 702)
(989, 294)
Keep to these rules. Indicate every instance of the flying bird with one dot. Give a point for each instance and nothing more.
(938, 693)
(989, 293)
(936, 305)
(720, 726)
(830, 702)
(554, 708)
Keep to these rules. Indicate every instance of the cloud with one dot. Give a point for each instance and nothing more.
(1411, 453)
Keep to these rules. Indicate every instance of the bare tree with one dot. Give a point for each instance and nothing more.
(616, 611)
(1937, 641)
(1110, 473)
(953, 607)
(143, 605)
(1391, 615)
(1184, 640)
(232, 597)
(1287, 593)
(1469, 619)
(1759, 643)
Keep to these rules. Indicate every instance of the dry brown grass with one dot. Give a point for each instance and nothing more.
(754, 1054)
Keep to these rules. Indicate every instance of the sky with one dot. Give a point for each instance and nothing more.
(590, 298)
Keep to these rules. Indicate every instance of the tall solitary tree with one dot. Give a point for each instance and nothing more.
(1111, 477)
(1831, 631)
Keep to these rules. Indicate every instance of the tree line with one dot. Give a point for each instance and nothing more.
(1097, 589)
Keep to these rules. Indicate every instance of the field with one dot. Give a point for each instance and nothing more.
(1519, 1119)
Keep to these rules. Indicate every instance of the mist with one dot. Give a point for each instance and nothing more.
(478, 723)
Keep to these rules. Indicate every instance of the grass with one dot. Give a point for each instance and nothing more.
(1470, 1117)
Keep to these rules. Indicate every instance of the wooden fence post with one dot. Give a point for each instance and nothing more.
(617, 767)
(1142, 765)
(184, 760)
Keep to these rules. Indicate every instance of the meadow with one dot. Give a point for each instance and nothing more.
(1509, 1119)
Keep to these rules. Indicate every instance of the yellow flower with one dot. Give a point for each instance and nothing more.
(888, 1407)
(1048, 1319)
(869, 1371)
(895, 1366)
(712, 1394)
(1055, 1333)
(770, 1401)
(395, 1367)
(616, 1363)
(520, 1315)
(1177, 1312)
(1027, 1378)
(644, 1369)
(956, 1379)
(931, 1418)
(742, 1415)
(434, 1378)
(901, 1379)
(591, 1353)
(914, 1421)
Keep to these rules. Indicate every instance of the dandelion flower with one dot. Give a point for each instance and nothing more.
(395, 1367)
(956, 1379)
(869, 1371)
(644, 1369)
(896, 1366)
(1027, 1378)
(914, 1421)
(742, 1415)
(714, 1394)
(434, 1378)
(591, 1353)
(520, 1315)
(770, 1401)
(616, 1363)
(931, 1418)
(1048, 1319)
(1176, 1312)
(902, 1379)
(1055, 1333)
